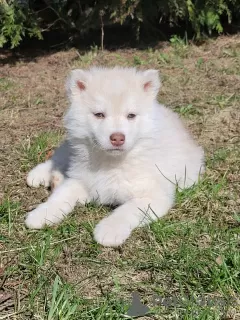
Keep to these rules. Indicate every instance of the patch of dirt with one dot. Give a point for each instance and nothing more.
(36, 100)
(222, 128)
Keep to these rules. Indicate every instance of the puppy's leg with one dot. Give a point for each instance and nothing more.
(115, 229)
(52, 171)
(59, 204)
(40, 175)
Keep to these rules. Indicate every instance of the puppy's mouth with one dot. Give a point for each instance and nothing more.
(115, 151)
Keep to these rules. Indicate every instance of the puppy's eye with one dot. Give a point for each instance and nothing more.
(99, 115)
(131, 116)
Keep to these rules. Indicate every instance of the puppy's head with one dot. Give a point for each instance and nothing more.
(111, 108)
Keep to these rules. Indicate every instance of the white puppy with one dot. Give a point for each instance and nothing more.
(122, 148)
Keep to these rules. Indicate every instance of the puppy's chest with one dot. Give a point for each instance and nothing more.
(113, 186)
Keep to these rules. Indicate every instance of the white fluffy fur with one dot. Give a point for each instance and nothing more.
(140, 177)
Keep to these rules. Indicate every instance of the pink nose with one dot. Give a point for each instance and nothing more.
(117, 139)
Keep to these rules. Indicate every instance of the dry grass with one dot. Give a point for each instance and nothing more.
(192, 251)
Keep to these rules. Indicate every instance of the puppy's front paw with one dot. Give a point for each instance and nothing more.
(40, 175)
(112, 233)
(36, 218)
(41, 216)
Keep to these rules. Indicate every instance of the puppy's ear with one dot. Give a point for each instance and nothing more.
(77, 82)
(151, 82)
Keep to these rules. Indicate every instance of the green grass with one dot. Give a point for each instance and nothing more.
(38, 149)
(190, 257)
(6, 84)
(187, 110)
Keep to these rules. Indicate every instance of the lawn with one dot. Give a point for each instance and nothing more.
(190, 259)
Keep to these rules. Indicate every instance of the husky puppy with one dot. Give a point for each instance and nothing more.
(122, 148)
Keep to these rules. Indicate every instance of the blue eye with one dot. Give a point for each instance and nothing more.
(99, 115)
(131, 116)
